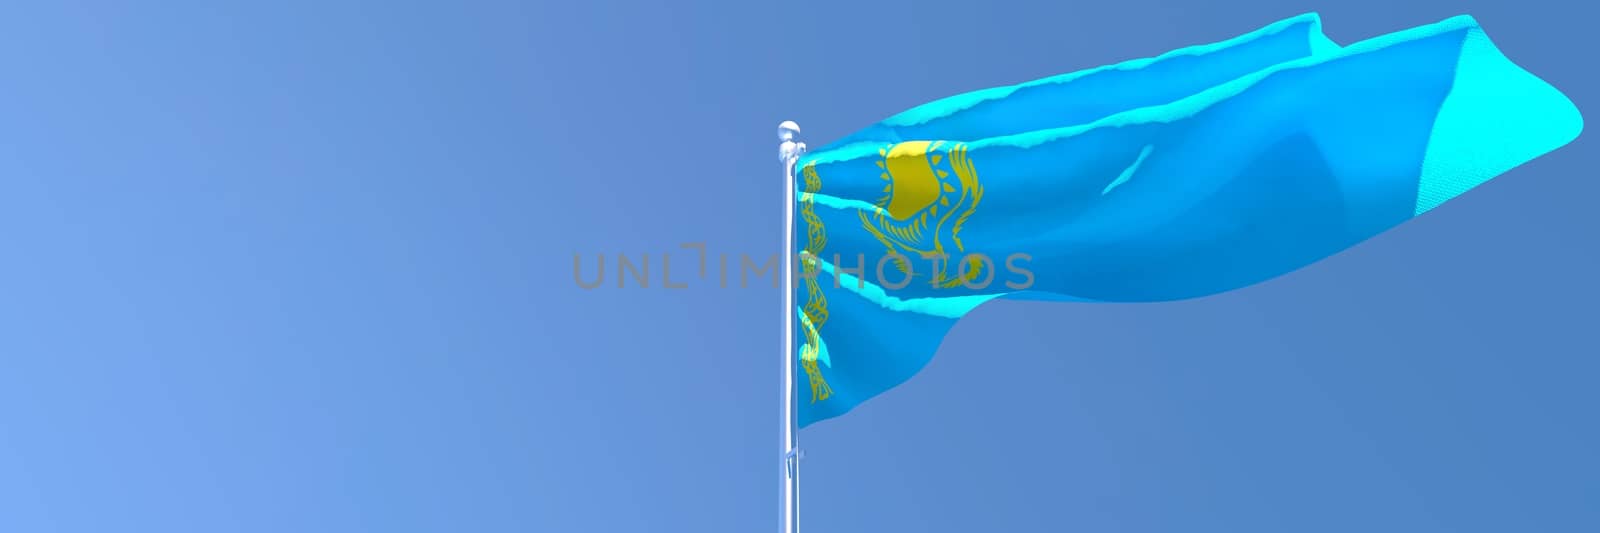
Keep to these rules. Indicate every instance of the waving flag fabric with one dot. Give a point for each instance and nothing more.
(1197, 172)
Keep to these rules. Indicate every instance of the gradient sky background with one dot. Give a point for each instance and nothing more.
(307, 266)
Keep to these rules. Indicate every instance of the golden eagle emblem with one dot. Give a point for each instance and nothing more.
(930, 188)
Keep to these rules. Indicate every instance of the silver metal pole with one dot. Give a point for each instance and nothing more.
(789, 151)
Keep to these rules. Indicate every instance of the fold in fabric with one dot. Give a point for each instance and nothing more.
(1088, 95)
(1263, 172)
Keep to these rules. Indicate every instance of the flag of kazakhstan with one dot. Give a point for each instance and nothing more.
(1203, 170)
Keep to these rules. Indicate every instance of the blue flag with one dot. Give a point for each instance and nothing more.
(1197, 172)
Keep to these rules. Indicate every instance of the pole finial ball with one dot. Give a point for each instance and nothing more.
(788, 130)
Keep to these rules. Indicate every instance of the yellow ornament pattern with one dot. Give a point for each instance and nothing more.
(816, 307)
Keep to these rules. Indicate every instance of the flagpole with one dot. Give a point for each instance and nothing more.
(789, 151)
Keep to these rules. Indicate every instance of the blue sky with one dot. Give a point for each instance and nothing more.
(306, 266)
